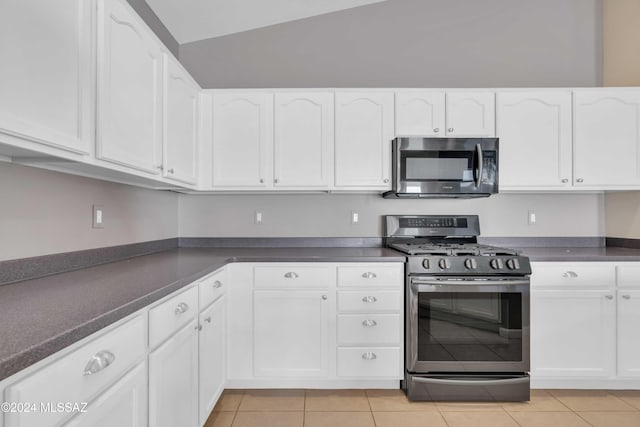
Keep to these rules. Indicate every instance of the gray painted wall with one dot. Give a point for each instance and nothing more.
(413, 43)
(329, 215)
(149, 16)
(45, 212)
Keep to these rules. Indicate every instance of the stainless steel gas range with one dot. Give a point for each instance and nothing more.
(467, 311)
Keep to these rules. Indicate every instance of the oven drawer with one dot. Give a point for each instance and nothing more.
(369, 329)
(369, 301)
(212, 288)
(371, 275)
(171, 315)
(292, 276)
(575, 274)
(371, 362)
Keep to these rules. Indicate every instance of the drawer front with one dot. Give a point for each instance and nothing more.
(369, 329)
(212, 288)
(369, 301)
(593, 275)
(371, 275)
(68, 380)
(369, 362)
(171, 315)
(629, 275)
(292, 276)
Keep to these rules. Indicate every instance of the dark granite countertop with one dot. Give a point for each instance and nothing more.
(576, 254)
(41, 316)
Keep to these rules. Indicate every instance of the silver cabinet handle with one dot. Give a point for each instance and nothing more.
(386, 180)
(324, 297)
(369, 275)
(579, 180)
(626, 296)
(569, 274)
(159, 167)
(275, 181)
(369, 299)
(369, 355)
(183, 307)
(564, 181)
(99, 361)
(450, 130)
(369, 323)
(436, 130)
(291, 275)
(261, 180)
(609, 297)
(198, 327)
(207, 319)
(217, 284)
(170, 171)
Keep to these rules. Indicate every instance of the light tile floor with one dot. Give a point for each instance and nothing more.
(390, 408)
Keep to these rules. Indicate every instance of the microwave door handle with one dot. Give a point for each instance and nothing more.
(479, 162)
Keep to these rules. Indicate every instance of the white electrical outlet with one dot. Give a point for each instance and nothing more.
(355, 217)
(98, 216)
(531, 217)
(258, 217)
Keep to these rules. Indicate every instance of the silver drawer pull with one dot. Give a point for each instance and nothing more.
(207, 319)
(369, 323)
(609, 297)
(99, 361)
(369, 299)
(369, 275)
(569, 274)
(626, 296)
(369, 355)
(291, 275)
(183, 307)
(217, 284)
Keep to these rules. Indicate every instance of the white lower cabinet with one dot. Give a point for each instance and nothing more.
(628, 333)
(290, 335)
(123, 405)
(173, 380)
(211, 357)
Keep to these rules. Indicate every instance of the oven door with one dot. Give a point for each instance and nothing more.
(467, 324)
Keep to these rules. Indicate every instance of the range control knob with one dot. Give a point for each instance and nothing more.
(444, 263)
(470, 264)
(496, 264)
(426, 264)
(513, 264)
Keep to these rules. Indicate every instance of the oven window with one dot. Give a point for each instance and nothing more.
(450, 166)
(469, 326)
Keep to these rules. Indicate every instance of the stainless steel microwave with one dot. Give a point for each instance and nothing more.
(444, 167)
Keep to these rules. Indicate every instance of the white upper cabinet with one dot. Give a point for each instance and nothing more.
(470, 114)
(303, 140)
(420, 114)
(242, 140)
(364, 130)
(607, 137)
(45, 79)
(129, 89)
(535, 139)
(180, 123)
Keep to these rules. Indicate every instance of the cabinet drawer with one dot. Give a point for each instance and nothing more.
(371, 275)
(292, 276)
(212, 288)
(369, 329)
(67, 380)
(171, 315)
(600, 275)
(629, 275)
(372, 362)
(369, 301)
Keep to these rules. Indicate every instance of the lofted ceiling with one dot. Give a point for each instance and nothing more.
(192, 20)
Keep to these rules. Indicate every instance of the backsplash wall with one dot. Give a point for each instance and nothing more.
(329, 215)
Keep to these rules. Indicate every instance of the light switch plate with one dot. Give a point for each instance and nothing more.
(98, 216)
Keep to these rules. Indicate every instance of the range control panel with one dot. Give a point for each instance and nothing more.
(470, 265)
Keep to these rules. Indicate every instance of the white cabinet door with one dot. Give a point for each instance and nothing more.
(129, 89)
(364, 130)
(212, 356)
(628, 333)
(606, 137)
(46, 75)
(303, 140)
(535, 139)
(420, 114)
(180, 123)
(242, 140)
(290, 333)
(573, 333)
(173, 380)
(470, 114)
(122, 405)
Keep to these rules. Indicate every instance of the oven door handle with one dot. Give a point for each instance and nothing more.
(417, 282)
(518, 380)
(479, 164)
